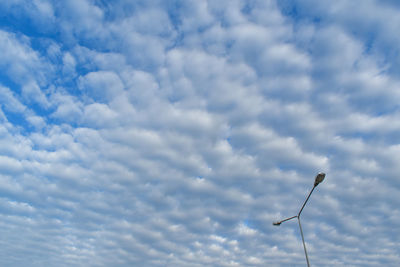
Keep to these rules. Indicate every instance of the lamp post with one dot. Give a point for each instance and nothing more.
(318, 179)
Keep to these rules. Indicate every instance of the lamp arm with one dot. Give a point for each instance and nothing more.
(287, 219)
(298, 215)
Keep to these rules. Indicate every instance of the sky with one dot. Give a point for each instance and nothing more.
(174, 132)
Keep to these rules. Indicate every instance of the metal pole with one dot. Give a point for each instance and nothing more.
(306, 201)
(304, 244)
(318, 179)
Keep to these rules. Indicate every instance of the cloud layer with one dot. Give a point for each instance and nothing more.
(172, 133)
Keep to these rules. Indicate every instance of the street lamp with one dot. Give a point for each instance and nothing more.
(318, 179)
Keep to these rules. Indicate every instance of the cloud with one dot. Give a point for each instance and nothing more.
(10, 100)
(102, 86)
(157, 133)
(19, 61)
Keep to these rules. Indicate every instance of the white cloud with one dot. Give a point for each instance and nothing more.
(154, 133)
(18, 60)
(68, 108)
(97, 115)
(10, 101)
(31, 92)
(102, 86)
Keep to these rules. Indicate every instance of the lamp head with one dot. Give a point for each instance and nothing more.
(276, 223)
(319, 178)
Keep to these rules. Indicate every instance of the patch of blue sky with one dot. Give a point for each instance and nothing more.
(247, 7)
(174, 9)
(18, 119)
(290, 9)
(248, 223)
(5, 80)
(294, 11)
(22, 23)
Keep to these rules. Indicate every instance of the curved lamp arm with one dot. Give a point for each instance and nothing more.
(287, 219)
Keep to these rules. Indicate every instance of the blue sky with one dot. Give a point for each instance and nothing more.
(173, 133)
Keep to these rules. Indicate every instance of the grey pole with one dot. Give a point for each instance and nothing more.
(318, 179)
(304, 244)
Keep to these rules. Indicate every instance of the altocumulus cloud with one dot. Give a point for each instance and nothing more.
(172, 133)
